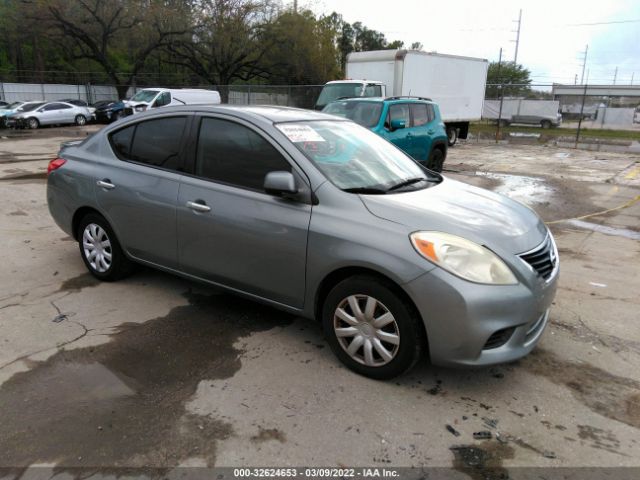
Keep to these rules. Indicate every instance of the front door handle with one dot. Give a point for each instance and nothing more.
(106, 184)
(199, 206)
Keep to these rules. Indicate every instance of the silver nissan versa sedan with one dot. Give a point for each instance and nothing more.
(316, 216)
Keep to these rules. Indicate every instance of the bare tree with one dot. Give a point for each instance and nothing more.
(227, 41)
(102, 31)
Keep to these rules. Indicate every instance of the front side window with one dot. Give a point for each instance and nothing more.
(399, 111)
(163, 99)
(373, 91)
(420, 114)
(234, 154)
(154, 142)
(351, 157)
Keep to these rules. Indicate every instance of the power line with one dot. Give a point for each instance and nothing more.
(600, 23)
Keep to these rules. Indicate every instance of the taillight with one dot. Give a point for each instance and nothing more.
(55, 164)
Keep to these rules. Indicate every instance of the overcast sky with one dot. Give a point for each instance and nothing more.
(552, 39)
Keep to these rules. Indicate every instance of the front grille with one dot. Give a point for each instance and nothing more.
(499, 338)
(543, 258)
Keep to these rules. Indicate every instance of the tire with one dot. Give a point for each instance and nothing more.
(93, 229)
(81, 120)
(545, 124)
(116, 116)
(33, 123)
(436, 160)
(452, 136)
(343, 330)
(504, 123)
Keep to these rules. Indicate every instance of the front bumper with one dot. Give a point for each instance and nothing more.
(470, 324)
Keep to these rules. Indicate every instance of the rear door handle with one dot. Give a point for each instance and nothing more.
(106, 184)
(199, 206)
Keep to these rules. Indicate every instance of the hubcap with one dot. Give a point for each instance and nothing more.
(97, 247)
(366, 330)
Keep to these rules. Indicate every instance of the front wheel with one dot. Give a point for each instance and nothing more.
(545, 124)
(33, 123)
(371, 329)
(81, 120)
(100, 249)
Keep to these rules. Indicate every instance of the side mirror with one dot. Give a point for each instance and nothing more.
(280, 183)
(397, 124)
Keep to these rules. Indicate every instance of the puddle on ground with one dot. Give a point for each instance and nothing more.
(528, 190)
(482, 462)
(122, 404)
(606, 394)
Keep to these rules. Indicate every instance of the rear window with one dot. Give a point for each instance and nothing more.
(366, 114)
(153, 142)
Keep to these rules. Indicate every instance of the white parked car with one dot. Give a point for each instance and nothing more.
(162, 97)
(51, 113)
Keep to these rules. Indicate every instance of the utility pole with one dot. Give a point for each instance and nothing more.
(295, 6)
(501, 96)
(517, 40)
(575, 80)
(615, 75)
(632, 74)
(584, 63)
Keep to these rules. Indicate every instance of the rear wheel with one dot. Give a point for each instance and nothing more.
(100, 249)
(33, 123)
(452, 136)
(436, 160)
(371, 329)
(81, 120)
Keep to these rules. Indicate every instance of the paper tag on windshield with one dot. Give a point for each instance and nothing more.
(300, 133)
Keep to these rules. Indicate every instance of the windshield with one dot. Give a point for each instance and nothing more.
(353, 158)
(30, 106)
(333, 91)
(144, 96)
(366, 114)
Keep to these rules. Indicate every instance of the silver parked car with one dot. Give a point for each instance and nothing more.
(316, 216)
(52, 113)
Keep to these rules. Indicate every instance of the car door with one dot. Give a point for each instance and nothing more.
(48, 114)
(401, 137)
(229, 230)
(138, 189)
(422, 130)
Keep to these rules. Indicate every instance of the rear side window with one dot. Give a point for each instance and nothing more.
(234, 154)
(420, 114)
(432, 113)
(154, 142)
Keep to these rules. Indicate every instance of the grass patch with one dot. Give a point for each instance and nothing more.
(488, 128)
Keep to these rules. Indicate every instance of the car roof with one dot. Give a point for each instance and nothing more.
(270, 113)
(390, 100)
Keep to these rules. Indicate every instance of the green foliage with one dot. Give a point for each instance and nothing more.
(514, 76)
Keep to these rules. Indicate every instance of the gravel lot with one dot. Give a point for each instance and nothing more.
(159, 371)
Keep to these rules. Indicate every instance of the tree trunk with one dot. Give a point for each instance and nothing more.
(122, 91)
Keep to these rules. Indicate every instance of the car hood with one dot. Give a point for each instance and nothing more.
(474, 213)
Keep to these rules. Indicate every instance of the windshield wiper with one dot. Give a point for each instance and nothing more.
(407, 182)
(364, 190)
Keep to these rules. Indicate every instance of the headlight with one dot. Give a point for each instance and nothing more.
(463, 258)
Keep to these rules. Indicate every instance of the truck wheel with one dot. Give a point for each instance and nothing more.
(452, 135)
(545, 124)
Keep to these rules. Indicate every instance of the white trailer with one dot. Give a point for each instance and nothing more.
(456, 83)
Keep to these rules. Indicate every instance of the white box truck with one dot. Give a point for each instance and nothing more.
(456, 83)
